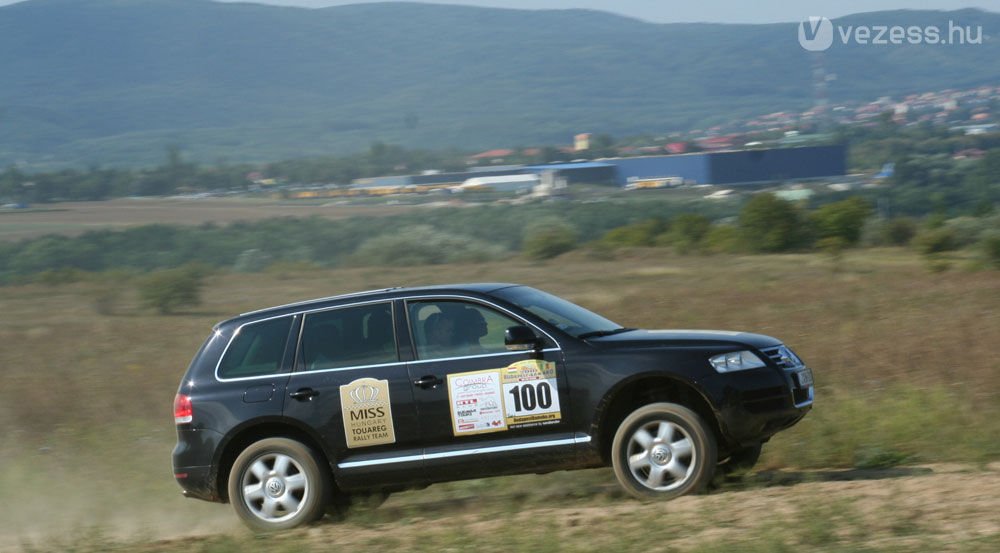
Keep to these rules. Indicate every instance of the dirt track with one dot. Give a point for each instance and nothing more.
(936, 507)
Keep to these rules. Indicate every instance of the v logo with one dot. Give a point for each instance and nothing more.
(816, 33)
(813, 28)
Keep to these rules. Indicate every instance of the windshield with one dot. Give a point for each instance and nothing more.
(568, 317)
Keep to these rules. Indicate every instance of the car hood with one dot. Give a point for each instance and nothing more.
(653, 338)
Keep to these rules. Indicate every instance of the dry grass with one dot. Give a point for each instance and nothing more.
(905, 363)
(72, 218)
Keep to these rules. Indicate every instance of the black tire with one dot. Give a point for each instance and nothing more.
(278, 484)
(741, 460)
(663, 451)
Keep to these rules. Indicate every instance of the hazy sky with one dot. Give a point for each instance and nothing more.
(725, 11)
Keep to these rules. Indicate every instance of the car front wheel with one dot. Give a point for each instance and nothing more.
(277, 484)
(663, 451)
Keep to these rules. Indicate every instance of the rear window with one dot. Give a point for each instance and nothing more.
(257, 349)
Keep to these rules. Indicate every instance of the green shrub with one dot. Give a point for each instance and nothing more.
(687, 232)
(251, 261)
(769, 224)
(635, 235)
(935, 240)
(169, 289)
(422, 245)
(843, 220)
(548, 237)
(722, 239)
(990, 244)
(899, 231)
(968, 230)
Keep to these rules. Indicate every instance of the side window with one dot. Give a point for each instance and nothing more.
(348, 337)
(257, 349)
(456, 329)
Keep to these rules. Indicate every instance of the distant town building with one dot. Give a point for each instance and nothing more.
(737, 166)
(491, 156)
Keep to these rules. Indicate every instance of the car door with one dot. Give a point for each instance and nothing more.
(483, 409)
(351, 388)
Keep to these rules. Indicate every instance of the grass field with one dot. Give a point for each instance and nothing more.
(904, 359)
(73, 218)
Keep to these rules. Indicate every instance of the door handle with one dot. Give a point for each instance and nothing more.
(428, 381)
(304, 394)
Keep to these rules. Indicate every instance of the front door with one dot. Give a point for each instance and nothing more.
(475, 398)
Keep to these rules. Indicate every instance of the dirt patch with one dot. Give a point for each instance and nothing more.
(939, 506)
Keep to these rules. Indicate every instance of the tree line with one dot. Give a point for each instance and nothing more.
(764, 223)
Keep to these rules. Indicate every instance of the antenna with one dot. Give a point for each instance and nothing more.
(821, 99)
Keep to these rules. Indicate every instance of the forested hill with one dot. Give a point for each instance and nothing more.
(117, 81)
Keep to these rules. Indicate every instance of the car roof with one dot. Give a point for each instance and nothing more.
(374, 295)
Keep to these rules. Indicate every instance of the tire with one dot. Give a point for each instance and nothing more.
(278, 484)
(663, 451)
(740, 460)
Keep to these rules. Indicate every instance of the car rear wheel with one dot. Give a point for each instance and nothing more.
(279, 483)
(663, 451)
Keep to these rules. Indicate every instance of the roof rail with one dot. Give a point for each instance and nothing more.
(304, 302)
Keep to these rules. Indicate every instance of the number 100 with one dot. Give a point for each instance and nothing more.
(527, 397)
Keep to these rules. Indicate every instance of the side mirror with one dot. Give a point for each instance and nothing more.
(521, 338)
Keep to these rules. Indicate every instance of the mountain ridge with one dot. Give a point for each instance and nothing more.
(117, 81)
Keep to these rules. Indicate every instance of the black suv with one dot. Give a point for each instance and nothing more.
(288, 411)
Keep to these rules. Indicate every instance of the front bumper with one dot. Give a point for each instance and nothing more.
(754, 405)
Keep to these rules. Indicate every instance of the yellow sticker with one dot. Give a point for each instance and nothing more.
(531, 394)
(522, 394)
(367, 413)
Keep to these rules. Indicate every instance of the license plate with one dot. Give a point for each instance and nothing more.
(805, 378)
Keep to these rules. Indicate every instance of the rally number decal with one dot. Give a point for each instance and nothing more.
(523, 394)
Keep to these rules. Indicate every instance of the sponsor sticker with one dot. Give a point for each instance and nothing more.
(519, 395)
(367, 413)
(476, 403)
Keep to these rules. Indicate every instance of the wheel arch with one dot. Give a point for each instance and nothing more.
(644, 389)
(253, 431)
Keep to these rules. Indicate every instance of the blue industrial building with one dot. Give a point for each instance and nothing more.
(584, 172)
(719, 168)
(739, 166)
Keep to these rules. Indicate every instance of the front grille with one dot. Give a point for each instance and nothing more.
(783, 357)
(802, 391)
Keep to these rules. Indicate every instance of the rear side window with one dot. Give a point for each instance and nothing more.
(257, 349)
(348, 337)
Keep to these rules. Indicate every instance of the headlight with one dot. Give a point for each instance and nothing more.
(736, 361)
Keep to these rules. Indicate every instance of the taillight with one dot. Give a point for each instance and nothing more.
(183, 413)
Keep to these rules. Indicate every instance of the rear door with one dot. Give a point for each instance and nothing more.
(484, 410)
(351, 388)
